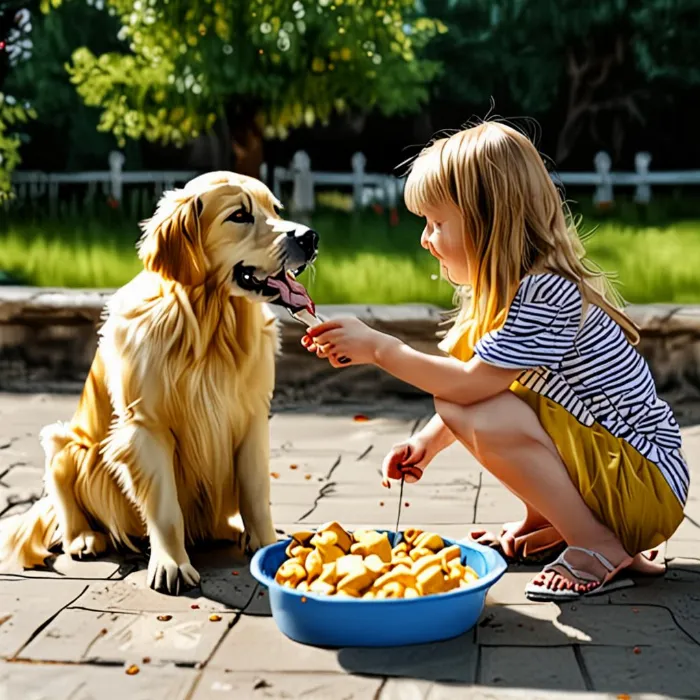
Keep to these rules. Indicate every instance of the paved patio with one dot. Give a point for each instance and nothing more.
(92, 629)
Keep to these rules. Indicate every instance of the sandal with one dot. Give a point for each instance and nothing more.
(536, 547)
(610, 582)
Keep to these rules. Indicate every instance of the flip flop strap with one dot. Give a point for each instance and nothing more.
(577, 573)
(596, 555)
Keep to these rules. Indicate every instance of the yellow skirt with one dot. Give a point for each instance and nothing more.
(624, 490)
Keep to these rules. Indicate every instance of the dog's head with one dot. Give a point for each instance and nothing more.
(225, 228)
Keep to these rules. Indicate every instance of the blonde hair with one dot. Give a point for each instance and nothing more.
(514, 224)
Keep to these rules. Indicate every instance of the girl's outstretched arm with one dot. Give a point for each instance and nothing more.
(446, 378)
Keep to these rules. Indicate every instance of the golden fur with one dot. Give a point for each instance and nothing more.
(170, 440)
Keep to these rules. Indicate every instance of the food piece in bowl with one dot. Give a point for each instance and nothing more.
(303, 538)
(420, 553)
(319, 586)
(376, 564)
(329, 574)
(291, 573)
(370, 542)
(431, 579)
(393, 589)
(327, 544)
(357, 580)
(449, 555)
(349, 564)
(429, 540)
(426, 561)
(313, 565)
(298, 551)
(411, 535)
(343, 537)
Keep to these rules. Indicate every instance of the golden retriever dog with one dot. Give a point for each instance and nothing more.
(170, 440)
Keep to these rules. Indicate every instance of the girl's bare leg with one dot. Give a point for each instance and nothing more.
(505, 435)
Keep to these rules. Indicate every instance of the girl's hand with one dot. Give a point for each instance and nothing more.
(344, 341)
(411, 453)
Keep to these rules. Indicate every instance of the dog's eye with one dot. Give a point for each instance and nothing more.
(241, 216)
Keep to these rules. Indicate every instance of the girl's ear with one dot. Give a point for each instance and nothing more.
(171, 245)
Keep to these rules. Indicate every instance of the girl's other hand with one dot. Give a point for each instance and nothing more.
(410, 453)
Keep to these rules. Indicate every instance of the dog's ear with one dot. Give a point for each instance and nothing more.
(171, 244)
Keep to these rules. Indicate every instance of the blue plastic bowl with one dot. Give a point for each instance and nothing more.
(341, 622)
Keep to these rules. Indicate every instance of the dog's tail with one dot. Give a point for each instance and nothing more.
(25, 541)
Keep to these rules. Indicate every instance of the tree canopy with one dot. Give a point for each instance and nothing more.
(600, 64)
(184, 63)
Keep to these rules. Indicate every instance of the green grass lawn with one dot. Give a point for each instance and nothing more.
(362, 258)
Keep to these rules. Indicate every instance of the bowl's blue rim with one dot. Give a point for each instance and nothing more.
(498, 564)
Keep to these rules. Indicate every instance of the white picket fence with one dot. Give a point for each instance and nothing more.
(367, 188)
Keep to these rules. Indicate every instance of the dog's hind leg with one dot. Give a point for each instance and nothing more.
(143, 462)
(64, 459)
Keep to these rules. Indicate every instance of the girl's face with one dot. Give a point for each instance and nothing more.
(443, 237)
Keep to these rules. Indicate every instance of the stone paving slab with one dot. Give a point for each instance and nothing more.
(536, 667)
(77, 627)
(25, 606)
(22, 681)
(215, 685)
(82, 635)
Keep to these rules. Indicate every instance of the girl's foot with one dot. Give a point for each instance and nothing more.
(525, 542)
(580, 571)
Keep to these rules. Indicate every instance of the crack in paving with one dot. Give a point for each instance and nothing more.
(46, 623)
(11, 503)
(323, 492)
(476, 500)
(587, 679)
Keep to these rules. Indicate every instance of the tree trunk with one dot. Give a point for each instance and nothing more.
(247, 142)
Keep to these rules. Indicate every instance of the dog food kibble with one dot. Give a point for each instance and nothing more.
(132, 670)
(363, 564)
(146, 660)
(165, 618)
(303, 599)
(637, 650)
(274, 475)
(194, 606)
(234, 573)
(381, 503)
(360, 418)
(307, 476)
(294, 466)
(215, 618)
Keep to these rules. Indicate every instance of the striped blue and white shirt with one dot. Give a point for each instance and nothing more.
(589, 369)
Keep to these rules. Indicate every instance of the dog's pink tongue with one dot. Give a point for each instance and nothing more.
(292, 293)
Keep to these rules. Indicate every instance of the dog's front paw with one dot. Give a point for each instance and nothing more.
(87, 544)
(165, 575)
(255, 541)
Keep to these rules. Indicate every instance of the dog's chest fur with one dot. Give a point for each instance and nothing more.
(196, 371)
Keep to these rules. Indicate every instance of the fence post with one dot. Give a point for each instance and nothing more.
(116, 162)
(604, 191)
(642, 195)
(358, 178)
(303, 199)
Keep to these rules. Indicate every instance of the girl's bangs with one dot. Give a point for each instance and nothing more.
(425, 185)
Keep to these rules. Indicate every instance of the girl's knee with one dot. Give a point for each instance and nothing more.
(470, 424)
(495, 423)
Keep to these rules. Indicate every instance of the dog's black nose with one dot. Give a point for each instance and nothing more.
(307, 241)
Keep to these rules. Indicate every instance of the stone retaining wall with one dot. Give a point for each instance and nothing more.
(48, 339)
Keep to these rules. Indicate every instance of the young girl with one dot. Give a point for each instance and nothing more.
(543, 385)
